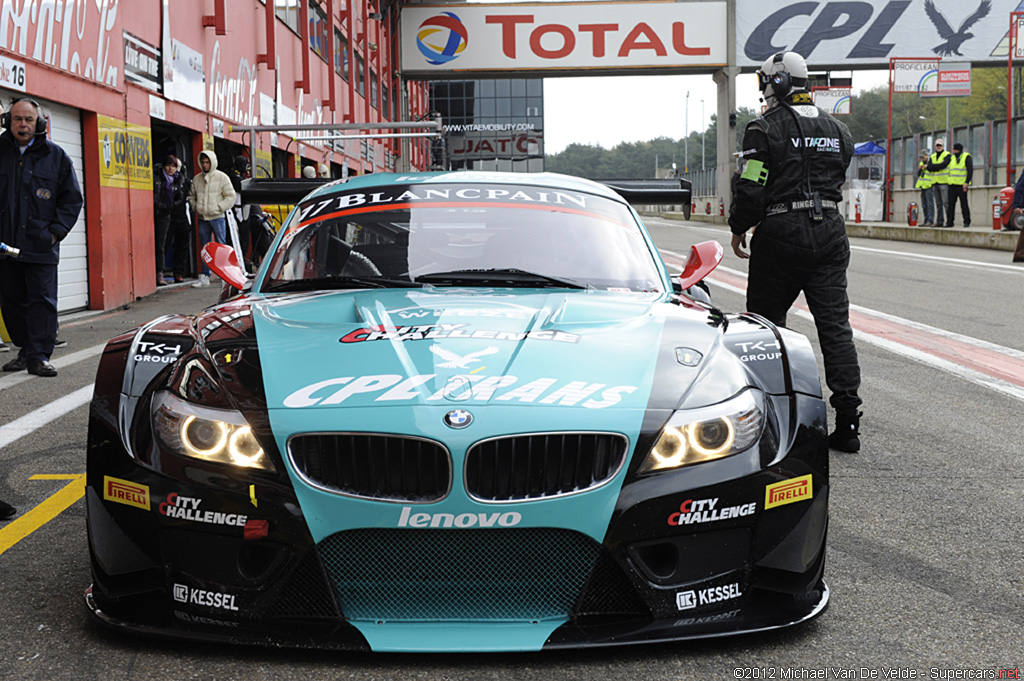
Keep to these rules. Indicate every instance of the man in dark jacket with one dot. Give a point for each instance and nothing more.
(796, 159)
(170, 198)
(41, 202)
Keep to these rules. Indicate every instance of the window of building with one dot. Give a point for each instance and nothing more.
(374, 87)
(360, 76)
(317, 30)
(288, 12)
(385, 102)
(340, 54)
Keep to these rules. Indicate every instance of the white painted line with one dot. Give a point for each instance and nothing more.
(956, 262)
(960, 371)
(12, 379)
(27, 424)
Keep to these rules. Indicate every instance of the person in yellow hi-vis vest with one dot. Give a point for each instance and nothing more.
(961, 172)
(938, 166)
(924, 183)
(4, 336)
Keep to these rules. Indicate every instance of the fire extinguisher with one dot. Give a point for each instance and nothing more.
(997, 214)
(721, 208)
(912, 214)
(856, 210)
(1005, 205)
(707, 208)
(693, 207)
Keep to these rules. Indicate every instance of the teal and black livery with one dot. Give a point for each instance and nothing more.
(458, 412)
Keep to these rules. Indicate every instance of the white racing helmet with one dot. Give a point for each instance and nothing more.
(781, 74)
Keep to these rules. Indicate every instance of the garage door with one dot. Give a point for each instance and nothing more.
(73, 271)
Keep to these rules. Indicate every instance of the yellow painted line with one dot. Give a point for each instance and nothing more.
(24, 525)
(56, 476)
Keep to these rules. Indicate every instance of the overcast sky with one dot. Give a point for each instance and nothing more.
(608, 110)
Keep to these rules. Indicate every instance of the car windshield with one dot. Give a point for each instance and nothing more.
(465, 236)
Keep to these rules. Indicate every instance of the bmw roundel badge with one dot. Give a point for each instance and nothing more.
(458, 418)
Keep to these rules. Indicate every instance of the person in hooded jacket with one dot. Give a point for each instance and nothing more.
(796, 159)
(40, 201)
(170, 195)
(210, 197)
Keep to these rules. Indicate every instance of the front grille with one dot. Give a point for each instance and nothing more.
(382, 467)
(542, 465)
(458, 575)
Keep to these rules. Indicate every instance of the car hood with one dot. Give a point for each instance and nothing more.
(578, 349)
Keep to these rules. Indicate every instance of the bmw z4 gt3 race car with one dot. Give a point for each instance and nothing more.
(458, 412)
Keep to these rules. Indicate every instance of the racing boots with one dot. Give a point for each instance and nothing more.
(846, 436)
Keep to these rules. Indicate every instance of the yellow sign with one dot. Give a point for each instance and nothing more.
(125, 492)
(264, 165)
(207, 142)
(126, 158)
(788, 492)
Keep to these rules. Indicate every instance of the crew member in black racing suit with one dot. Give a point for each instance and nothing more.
(796, 159)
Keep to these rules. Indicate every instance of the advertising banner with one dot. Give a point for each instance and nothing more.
(870, 32)
(126, 154)
(78, 38)
(954, 80)
(142, 63)
(184, 77)
(597, 37)
(835, 100)
(915, 76)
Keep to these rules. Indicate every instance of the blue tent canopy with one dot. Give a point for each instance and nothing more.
(867, 148)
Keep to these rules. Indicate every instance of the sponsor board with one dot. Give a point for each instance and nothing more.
(400, 197)
(452, 331)
(460, 520)
(563, 36)
(687, 600)
(187, 508)
(396, 388)
(158, 353)
(208, 599)
(125, 492)
(788, 491)
(695, 511)
(125, 154)
(870, 32)
(761, 351)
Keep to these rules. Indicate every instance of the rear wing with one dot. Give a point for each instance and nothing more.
(670, 192)
(280, 191)
(667, 192)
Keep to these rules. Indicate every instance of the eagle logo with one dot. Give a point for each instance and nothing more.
(455, 361)
(954, 39)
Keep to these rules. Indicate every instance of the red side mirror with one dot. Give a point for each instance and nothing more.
(222, 259)
(704, 258)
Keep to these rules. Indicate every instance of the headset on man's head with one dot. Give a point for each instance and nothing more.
(41, 123)
(781, 81)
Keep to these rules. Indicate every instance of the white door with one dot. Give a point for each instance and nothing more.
(73, 270)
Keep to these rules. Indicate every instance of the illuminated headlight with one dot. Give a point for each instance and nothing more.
(715, 432)
(207, 434)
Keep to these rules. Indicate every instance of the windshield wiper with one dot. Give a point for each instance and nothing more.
(507, 277)
(321, 283)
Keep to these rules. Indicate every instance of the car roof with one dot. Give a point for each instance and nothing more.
(550, 180)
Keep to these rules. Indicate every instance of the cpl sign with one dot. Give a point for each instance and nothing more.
(869, 32)
(553, 36)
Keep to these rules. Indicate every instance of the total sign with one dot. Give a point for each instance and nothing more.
(563, 36)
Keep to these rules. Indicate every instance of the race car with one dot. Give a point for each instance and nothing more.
(458, 411)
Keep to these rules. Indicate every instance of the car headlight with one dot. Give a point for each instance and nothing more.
(207, 434)
(707, 434)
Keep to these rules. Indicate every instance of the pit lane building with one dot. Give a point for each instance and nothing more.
(125, 83)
